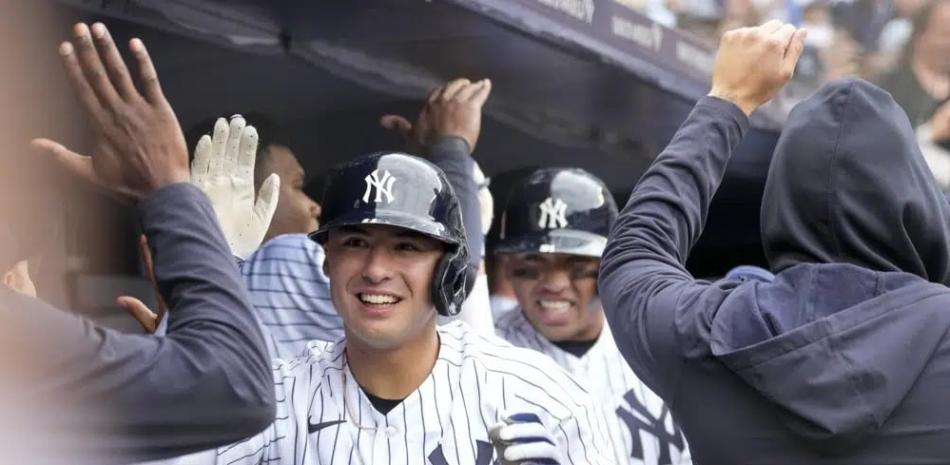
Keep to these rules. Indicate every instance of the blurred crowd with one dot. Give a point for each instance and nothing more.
(901, 45)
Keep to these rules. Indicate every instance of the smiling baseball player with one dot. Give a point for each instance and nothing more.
(553, 232)
(398, 389)
(285, 276)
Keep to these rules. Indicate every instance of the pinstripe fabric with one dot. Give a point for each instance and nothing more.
(444, 422)
(641, 428)
(291, 294)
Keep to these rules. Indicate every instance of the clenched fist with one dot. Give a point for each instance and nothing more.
(753, 63)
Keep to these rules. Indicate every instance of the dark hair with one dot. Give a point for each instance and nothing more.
(268, 131)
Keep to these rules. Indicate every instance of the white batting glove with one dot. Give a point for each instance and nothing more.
(522, 438)
(486, 202)
(223, 168)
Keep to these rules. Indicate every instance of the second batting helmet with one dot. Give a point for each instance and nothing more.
(557, 210)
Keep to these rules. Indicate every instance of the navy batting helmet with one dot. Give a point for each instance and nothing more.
(401, 190)
(557, 210)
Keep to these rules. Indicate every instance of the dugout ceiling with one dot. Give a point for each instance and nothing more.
(586, 83)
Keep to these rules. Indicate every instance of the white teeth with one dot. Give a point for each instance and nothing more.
(378, 299)
(555, 305)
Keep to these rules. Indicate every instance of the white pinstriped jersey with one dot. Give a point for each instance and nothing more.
(323, 416)
(640, 425)
(292, 295)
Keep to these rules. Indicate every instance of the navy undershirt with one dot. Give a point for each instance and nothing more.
(381, 405)
(576, 348)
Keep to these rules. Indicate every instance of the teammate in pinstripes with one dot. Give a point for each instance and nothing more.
(553, 231)
(398, 388)
(301, 311)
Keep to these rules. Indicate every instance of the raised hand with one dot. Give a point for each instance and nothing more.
(454, 109)
(140, 147)
(753, 63)
(223, 168)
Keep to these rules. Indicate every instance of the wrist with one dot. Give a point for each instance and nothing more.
(745, 105)
(448, 144)
(172, 177)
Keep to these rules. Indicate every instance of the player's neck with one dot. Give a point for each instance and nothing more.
(394, 373)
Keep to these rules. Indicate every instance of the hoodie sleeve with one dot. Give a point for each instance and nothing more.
(207, 383)
(451, 154)
(649, 298)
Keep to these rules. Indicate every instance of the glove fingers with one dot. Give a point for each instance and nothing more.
(248, 153)
(267, 200)
(523, 432)
(218, 145)
(235, 135)
(199, 165)
(537, 452)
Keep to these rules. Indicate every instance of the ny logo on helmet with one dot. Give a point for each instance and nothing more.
(384, 186)
(553, 214)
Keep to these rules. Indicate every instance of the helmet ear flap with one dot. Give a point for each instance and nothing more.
(452, 281)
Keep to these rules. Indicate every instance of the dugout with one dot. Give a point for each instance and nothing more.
(588, 83)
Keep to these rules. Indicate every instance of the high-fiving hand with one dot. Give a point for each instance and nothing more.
(753, 63)
(454, 109)
(223, 168)
(140, 147)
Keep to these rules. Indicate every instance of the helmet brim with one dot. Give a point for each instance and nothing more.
(414, 223)
(559, 241)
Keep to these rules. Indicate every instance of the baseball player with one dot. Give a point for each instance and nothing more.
(553, 231)
(285, 276)
(397, 388)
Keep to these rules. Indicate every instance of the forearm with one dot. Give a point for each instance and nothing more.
(643, 279)
(206, 384)
(451, 154)
(214, 348)
(667, 210)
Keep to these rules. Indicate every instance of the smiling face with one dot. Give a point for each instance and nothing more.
(558, 294)
(380, 282)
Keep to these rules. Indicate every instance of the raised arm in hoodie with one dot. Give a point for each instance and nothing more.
(137, 397)
(643, 274)
(817, 366)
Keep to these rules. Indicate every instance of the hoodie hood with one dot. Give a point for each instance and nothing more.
(848, 184)
(855, 227)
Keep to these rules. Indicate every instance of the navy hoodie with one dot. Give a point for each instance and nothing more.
(844, 357)
(103, 397)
